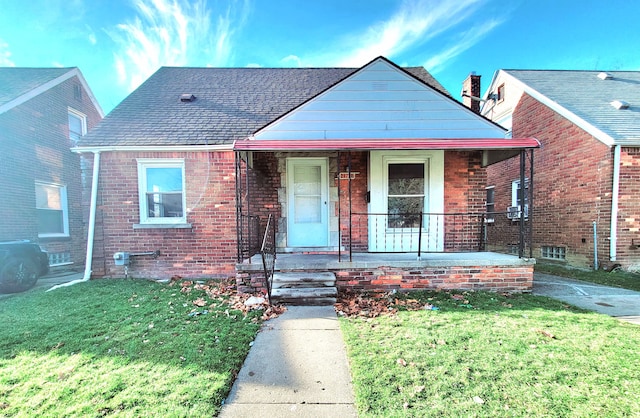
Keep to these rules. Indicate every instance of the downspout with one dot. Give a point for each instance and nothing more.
(613, 237)
(92, 224)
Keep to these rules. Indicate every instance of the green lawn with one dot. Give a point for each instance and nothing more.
(491, 355)
(624, 279)
(125, 348)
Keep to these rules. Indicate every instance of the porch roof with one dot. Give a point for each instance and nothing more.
(462, 144)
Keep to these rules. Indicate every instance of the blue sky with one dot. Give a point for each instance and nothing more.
(117, 44)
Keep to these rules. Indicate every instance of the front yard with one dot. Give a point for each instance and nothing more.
(121, 347)
(138, 348)
(489, 355)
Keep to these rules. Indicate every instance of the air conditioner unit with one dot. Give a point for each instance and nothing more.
(513, 212)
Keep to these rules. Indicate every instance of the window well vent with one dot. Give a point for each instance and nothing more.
(605, 76)
(187, 97)
(620, 104)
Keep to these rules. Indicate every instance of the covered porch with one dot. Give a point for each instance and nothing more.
(433, 239)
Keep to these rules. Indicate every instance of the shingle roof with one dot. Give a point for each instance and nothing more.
(230, 104)
(17, 81)
(589, 97)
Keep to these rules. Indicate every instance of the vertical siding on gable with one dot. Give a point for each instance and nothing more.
(380, 101)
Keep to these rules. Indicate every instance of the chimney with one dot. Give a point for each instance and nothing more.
(471, 92)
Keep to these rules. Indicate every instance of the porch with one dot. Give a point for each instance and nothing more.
(396, 271)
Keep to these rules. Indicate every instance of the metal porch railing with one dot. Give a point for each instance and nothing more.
(268, 254)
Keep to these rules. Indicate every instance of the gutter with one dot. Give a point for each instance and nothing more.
(613, 237)
(92, 225)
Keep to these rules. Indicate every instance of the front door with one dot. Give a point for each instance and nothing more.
(307, 195)
(406, 201)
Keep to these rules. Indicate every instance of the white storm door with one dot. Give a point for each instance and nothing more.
(307, 195)
(403, 185)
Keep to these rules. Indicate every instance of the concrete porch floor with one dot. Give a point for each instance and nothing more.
(288, 261)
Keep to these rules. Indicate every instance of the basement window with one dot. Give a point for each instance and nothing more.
(60, 259)
(553, 253)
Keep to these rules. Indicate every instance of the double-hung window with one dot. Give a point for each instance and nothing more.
(161, 191)
(52, 210)
(77, 125)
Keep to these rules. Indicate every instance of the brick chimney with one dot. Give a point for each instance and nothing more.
(471, 90)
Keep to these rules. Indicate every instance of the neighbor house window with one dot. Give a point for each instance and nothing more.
(161, 188)
(500, 93)
(555, 253)
(77, 125)
(405, 195)
(490, 206)
(515, 194)
(51, 206)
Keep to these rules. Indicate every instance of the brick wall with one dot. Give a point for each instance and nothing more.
(572, 184)
(207, 249)
(499, 278)
(35, 147)
(628, 248)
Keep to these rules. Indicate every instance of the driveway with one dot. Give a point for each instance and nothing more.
(620, 303)
(47, 282)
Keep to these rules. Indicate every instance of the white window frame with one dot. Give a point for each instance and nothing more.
(83, 123)
(64, 207)
(490, 216)
(143, 164)
(515, 188)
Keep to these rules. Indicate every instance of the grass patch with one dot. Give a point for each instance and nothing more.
(616, 278)
(120, 347)
(491, 355)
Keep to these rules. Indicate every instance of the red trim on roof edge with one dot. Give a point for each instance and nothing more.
(384, 144)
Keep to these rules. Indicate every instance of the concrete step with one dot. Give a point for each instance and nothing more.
(303, 280)
(304, 288)
(305, 296)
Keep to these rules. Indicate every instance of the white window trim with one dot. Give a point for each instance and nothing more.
(83, 121)
(64, 206)
(490, 217)
(144, 163)
(515, 188)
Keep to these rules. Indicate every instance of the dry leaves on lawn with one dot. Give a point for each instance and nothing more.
(224, 291)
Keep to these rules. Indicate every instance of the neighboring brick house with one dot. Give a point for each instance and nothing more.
(587, 168)
(43, 113)
(377, 159)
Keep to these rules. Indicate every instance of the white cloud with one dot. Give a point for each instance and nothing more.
(292, 58)
(5, 55)
(173, 33)
(414, 23)
(466, 40)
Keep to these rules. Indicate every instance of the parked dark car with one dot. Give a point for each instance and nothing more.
(21, 264)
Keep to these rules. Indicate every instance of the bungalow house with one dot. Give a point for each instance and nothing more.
(43, 113)
(587, 171)
(373, 176)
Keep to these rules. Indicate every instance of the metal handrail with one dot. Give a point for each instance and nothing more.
(268, 254)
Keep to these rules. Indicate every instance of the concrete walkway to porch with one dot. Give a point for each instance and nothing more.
(297, 367)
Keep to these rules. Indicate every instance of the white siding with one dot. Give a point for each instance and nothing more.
(380, 101)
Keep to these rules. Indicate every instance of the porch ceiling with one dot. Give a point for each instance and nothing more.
(461, 144)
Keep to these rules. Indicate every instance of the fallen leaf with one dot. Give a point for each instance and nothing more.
(200, 302)
(401, 362)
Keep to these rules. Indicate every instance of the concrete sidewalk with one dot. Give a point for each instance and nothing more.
(297, 367)
(613, 301)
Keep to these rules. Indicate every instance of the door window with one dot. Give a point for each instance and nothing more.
(405, 195)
